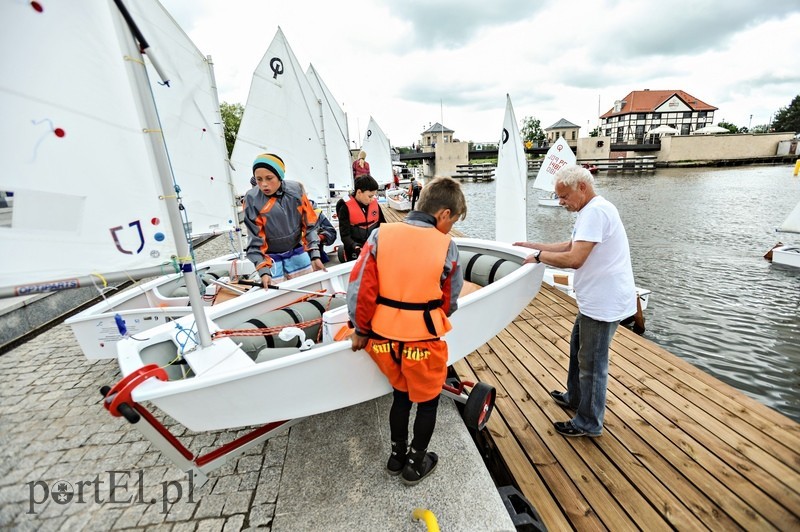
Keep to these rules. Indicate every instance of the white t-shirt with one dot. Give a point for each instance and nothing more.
(604, 284)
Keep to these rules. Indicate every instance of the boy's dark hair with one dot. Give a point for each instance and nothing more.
(443, 193)
(365, 183)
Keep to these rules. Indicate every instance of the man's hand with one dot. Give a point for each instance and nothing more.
(524, 244)
(266, 280)
(316, 265)
(359, 341)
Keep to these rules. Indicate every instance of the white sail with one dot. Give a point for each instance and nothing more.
(77, 153)
(189, 112)
(334, 134)
(792, 222)
(277, 119)
(557, 156)
(511, 179)
(379, 155)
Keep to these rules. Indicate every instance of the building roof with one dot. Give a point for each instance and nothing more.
(437, 128)
(647, 101)
(562, 124)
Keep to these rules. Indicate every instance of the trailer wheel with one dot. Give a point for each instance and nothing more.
(340, 254)
(479, 406)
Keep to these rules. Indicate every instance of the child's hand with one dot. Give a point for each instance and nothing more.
(359, 341)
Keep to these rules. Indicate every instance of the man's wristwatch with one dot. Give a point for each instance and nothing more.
(536, 255)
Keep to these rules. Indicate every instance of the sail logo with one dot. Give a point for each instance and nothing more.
(276, 65)
(53, 286)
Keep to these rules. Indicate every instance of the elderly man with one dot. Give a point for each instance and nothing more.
(604, 289)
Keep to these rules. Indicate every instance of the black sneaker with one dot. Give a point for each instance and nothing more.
(397, 460)
(559, 398)
(419, 465)
(566, 428)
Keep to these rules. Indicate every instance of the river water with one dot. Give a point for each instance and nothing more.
(697, 240)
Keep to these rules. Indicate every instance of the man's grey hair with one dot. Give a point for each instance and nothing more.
(572, 174)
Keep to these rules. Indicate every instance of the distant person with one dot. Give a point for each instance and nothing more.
(401, 325)
(413, 191)
(359, 216)
(360, 165)
(281, 223)
(604, 290)
(326, 232)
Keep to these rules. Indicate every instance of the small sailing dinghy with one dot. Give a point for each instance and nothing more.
(189, 114)
(557, 156)
(788, 254)
(379, 154)
(397, 199)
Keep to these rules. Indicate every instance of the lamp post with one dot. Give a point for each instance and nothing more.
(750, 123)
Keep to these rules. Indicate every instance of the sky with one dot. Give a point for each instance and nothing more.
(412, 63)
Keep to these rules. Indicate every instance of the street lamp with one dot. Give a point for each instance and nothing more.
(750, 123)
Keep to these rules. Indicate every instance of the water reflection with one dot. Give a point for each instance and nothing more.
(697, 239)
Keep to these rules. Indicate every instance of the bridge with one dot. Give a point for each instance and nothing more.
(487, 154)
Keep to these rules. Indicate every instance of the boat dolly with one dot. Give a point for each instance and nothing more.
(478, 406)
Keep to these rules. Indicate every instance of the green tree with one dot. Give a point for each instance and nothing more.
(532, 131)
(595, 132)
(730, 127)
(231, 118)
(761, 128)
(788, 118)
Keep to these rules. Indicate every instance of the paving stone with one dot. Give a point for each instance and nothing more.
(211, 525)
(236, 503)
(210, 506)
(261, 515)
(234, 523)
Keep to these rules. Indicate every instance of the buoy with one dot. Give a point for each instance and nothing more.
(286, 317)
(483, 269)
(796, 167)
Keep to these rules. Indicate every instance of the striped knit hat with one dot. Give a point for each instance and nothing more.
(271, 162)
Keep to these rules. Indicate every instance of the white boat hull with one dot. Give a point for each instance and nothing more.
(788, 255)
(227, 388)
(549, 202)
(398, 200)
(143, 307)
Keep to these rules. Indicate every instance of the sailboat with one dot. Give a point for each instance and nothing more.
(788, 254)
(282, 116)
(335, 135)
(192, 126)
(257, 368)
(379, 154)
(557, 156)
(511, 177)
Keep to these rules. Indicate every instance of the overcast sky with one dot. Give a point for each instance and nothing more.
(396, 60)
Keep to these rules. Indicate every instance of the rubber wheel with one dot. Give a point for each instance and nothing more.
(480, 405)
(340, 254)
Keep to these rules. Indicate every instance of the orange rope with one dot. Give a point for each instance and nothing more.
(264, 331)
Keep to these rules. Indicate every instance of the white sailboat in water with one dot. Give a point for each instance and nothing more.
(379, 154)
(511, 177)
(557, 156)
(188, 109)
(788, 254)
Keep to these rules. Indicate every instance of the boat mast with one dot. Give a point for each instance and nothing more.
(150, 115)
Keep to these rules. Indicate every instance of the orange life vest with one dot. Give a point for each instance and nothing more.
(410, 296)
(362, 225)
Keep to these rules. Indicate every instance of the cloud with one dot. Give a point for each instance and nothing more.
(452, 23)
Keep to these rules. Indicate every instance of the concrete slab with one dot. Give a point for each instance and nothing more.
(334, 477)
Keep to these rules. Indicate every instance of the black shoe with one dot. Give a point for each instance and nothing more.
(419, 465)
(559, 399)
(397, 460)
(566, 428)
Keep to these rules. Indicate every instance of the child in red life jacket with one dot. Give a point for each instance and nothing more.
(359, 216)
(402, 289)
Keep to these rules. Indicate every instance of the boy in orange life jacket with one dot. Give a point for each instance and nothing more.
(400, 323)
(359, 216)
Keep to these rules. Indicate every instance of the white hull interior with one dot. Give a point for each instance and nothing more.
(788, 255)
(147, 305)
(248, 380)
(562, 279)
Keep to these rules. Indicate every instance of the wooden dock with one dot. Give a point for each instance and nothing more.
(680, 449)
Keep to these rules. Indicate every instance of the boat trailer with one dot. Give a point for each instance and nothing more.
(478, 406)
